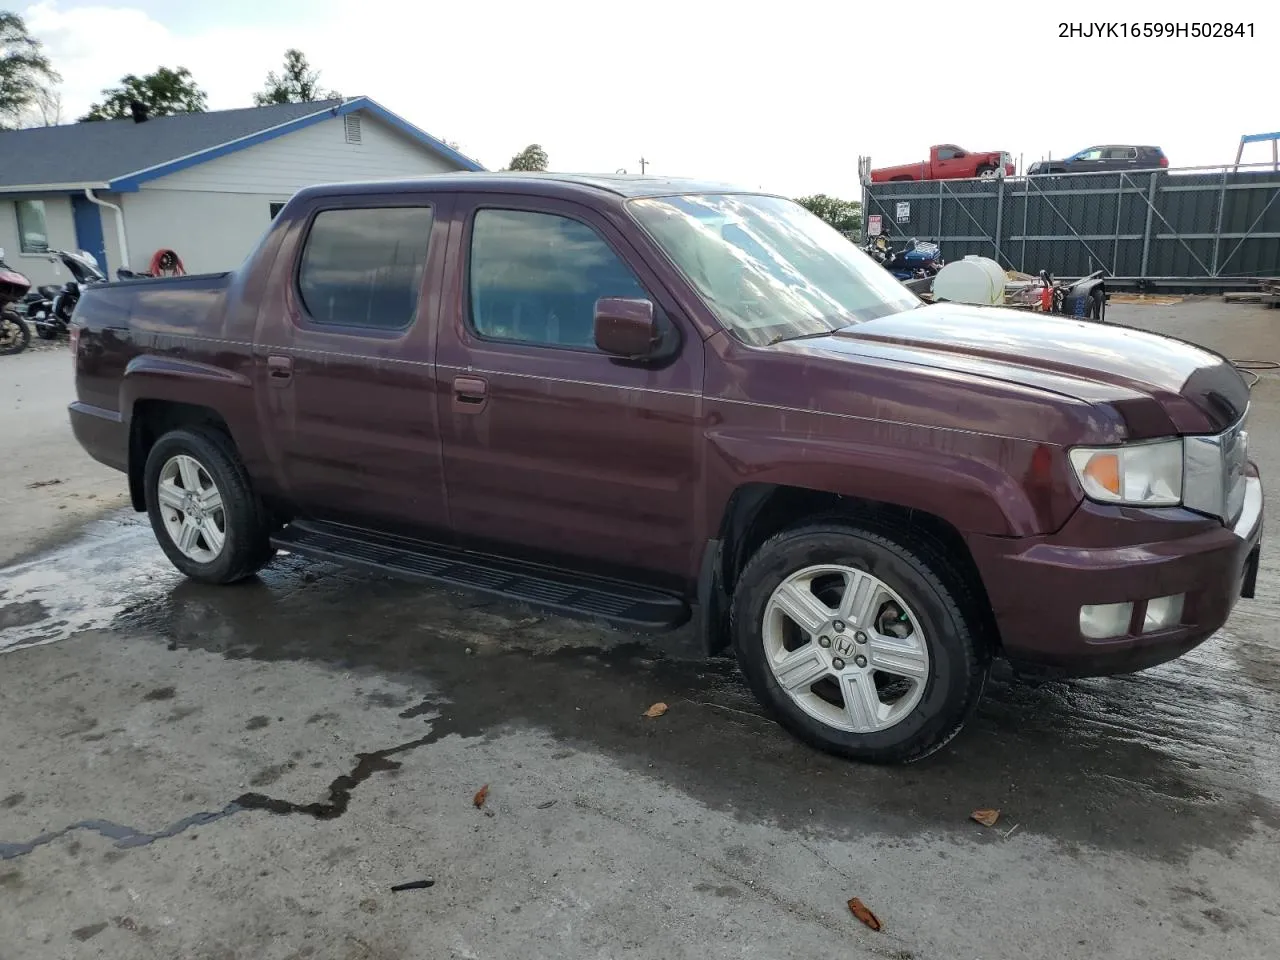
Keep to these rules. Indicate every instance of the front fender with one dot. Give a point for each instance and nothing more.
(978, 484)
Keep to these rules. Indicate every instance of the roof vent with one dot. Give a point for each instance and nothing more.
(351, 126)
(139, 111)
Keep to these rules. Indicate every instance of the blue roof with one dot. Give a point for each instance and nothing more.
(122, 154)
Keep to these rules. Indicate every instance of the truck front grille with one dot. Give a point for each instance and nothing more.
(1214, 472)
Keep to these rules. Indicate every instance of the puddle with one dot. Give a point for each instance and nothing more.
(1159, 764)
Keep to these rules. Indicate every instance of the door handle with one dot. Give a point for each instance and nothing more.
(279, 370)
(469, 394)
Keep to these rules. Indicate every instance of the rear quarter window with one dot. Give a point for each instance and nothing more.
(363, 267)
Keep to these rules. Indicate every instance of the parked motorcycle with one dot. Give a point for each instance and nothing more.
(51, 315)
(918, 260)
(14, 333)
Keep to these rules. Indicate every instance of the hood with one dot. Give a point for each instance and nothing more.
(1158, 385)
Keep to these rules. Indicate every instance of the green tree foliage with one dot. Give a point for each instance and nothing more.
(844, 215)
(532, 157)
(163, 93)
(296, 83)
(25, 72)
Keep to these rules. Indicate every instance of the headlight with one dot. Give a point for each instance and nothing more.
(1140, 474)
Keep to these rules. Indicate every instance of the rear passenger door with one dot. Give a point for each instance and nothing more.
(345, 362)
(551, 447)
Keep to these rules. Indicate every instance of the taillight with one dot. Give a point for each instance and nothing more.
(1164, 161)
(74, 336)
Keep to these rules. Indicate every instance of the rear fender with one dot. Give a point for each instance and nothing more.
(227, 394)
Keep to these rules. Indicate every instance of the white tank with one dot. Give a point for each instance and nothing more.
(971, 280)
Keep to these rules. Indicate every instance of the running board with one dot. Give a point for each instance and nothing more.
(550, 588)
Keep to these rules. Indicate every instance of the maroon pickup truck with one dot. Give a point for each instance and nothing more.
(652, 401)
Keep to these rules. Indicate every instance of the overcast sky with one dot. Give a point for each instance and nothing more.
(783, 96)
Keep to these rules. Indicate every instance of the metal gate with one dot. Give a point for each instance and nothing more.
(1179, 228)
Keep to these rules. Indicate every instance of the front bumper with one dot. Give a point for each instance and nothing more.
(1115, 555)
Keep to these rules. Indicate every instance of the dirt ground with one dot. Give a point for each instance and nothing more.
(247, 772)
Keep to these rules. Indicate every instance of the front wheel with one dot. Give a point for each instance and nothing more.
(861, 645)
(203, 509)
(14, 334)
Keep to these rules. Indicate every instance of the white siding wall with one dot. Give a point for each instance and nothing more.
(214, 213)
(210, 231)
(316, 154)
(62, 236)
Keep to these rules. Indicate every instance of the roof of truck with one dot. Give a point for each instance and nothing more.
(620, 184)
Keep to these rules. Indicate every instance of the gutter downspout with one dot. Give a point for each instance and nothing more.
(120, 237)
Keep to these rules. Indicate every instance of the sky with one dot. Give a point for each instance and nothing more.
(779, 96)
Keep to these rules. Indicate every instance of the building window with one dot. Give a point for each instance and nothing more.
(275, 209)
(536, 277)
(363, 268)
(33, 235)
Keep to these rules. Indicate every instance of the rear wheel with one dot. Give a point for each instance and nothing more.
(202, 507)
(14, 334)
(1096, 308)
(987, 173)
(860, 644)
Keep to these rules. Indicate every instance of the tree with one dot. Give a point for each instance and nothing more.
(25, 72)
(532, 157)
(162, 93)
(296, 83)
(844, 215)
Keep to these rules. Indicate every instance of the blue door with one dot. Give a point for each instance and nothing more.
(88, 221)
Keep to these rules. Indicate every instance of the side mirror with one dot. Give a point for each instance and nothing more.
(626, 328)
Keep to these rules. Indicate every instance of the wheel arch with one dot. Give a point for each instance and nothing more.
(758, 510)
(150, 419)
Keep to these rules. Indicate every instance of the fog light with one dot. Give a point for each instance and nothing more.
(1101, 620)
(1163, 612)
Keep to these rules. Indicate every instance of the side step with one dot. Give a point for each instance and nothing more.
(550, 588)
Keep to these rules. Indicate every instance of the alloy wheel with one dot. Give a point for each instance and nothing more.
(846, 648)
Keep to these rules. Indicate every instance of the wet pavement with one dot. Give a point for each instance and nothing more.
(247, 771)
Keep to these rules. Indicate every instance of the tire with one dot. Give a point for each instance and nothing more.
(15, 335)
(986, 173)
(941, 616)
(245, 529)
(1096, 309)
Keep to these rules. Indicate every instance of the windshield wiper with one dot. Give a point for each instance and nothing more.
(806, 336)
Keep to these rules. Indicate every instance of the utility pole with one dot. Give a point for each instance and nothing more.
(643, 164)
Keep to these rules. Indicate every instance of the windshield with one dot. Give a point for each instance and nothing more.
(768, 268)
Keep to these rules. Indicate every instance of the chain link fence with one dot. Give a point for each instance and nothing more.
(1189, 228)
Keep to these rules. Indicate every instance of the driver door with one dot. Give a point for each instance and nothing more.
(550, 446)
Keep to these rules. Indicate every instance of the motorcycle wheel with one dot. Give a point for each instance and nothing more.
(45, 332)
(14, 334)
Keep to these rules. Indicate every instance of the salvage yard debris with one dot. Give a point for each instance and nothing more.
(481, 796)
(987, 818)
(860, 910)
(657, 710)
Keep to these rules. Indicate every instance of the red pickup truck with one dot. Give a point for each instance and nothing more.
(652, 401)
(949, 162)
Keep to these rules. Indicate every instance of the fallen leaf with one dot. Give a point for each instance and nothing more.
(987, 818)
(657, 710)
(481, 796)
(859, 910)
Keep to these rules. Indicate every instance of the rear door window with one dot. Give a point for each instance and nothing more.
(535, 278)
(363, 267)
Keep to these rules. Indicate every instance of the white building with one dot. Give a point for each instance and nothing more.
(204, 185)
